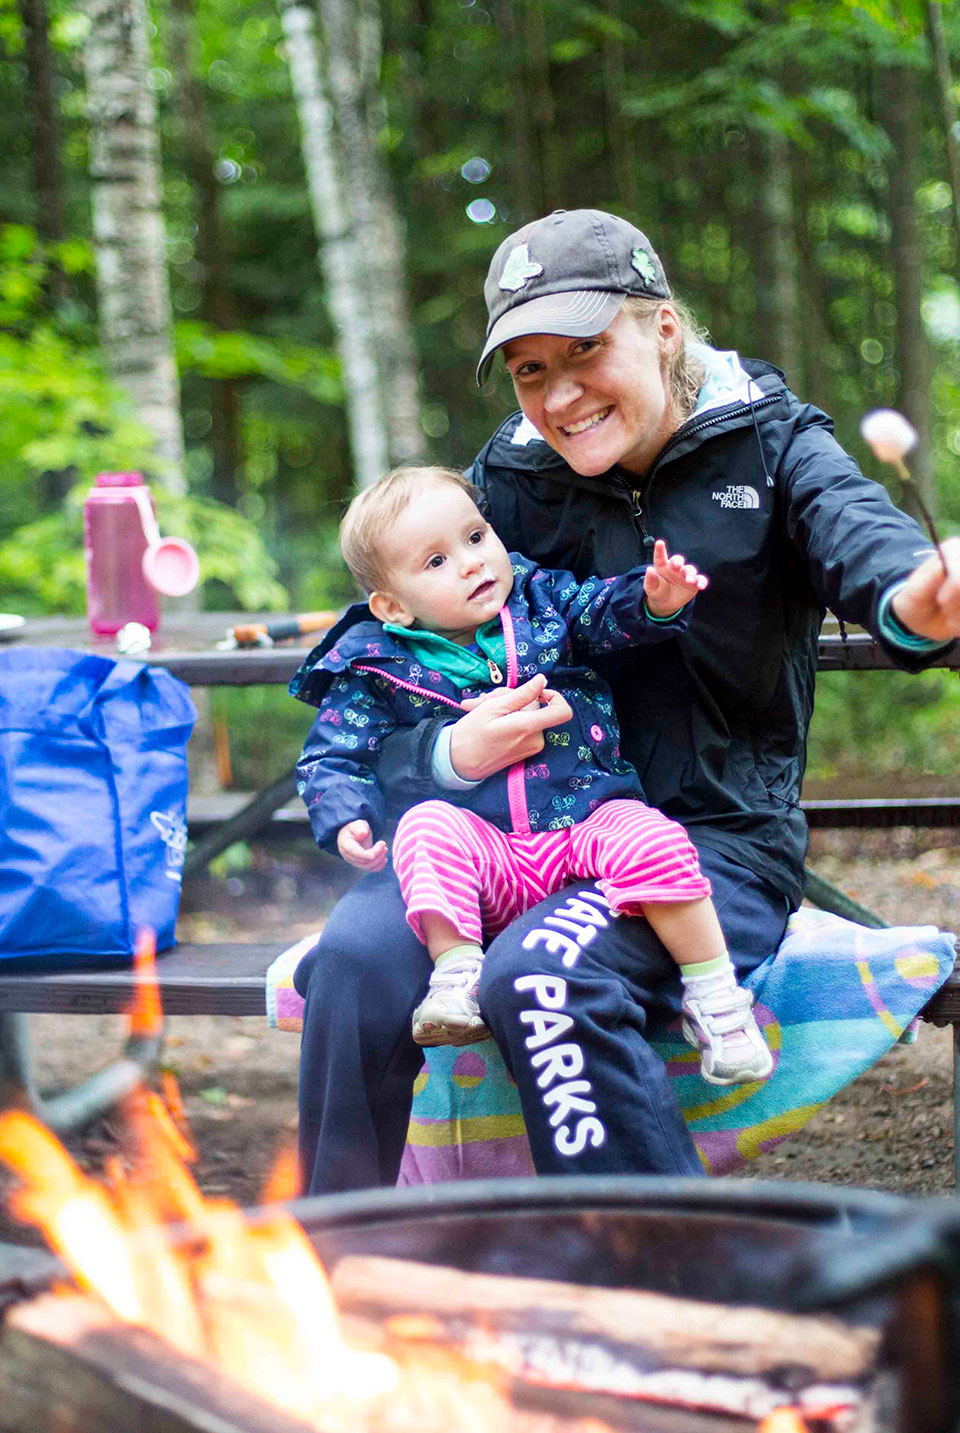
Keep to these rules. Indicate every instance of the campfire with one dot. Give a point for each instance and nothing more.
(181, 1313)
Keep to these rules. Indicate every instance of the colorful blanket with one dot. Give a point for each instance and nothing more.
(831, 1001)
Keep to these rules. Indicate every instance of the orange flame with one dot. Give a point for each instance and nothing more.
(250, 1299)
(253, 1301)
(145, 1015)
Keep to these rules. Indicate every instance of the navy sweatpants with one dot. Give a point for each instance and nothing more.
(568, 992)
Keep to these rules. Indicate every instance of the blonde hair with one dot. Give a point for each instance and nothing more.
(371, 513)
(685, 373)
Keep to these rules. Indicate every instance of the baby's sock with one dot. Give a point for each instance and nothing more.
(707, 969)
(467, 951)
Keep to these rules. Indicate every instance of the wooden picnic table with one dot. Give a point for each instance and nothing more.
(186, 645)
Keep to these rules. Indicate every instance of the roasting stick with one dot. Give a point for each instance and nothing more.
(890, 437)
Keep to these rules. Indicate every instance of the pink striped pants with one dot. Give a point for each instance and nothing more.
(481, 878)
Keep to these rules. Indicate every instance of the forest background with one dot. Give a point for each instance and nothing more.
(315, 188)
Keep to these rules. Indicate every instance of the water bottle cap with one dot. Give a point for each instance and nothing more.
(118, 480)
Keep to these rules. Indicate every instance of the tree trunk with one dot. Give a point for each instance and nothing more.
(899, 95)
(134, 299)
(944, 83)
(525, 177)
(216, 307)
(616, 124)
(341, 258)
(544, 109)
(814, 334)
(775, 257)
(374, 219)
(44, 128)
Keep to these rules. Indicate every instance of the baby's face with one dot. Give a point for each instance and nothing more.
(447, 569)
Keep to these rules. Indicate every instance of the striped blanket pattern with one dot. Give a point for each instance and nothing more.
(831, 1001)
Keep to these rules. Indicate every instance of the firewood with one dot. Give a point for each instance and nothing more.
(66, 1366)
(659, 1329)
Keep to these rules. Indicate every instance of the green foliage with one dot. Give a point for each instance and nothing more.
(878, 724)
(62, 422)
(664, 112)
(220, 353)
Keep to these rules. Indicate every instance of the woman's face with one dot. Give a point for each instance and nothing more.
(602, 400)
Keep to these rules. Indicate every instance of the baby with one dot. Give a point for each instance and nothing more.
(456, 617)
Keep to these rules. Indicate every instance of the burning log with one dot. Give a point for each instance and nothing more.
(67, 1364)
(634, 1344)
(667, 1330)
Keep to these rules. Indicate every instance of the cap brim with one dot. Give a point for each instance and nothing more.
(578, 313)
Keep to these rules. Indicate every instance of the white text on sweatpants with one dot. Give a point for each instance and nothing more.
(566, 1096)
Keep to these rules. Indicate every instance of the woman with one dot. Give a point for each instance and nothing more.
(629, 430)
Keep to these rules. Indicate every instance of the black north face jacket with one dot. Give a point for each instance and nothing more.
(764, 500)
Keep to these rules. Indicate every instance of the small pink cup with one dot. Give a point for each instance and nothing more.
(171, 566)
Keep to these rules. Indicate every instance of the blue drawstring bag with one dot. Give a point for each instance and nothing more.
(93, 804)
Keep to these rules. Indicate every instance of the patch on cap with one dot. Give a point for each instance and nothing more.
(519, 269)
(644, 265)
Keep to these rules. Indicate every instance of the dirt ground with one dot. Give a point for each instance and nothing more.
(890, 1130)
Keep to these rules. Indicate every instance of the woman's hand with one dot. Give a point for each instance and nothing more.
(355, 844)
(670, 582)
(504, 727)
(929, 601)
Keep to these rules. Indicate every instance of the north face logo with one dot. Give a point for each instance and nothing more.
(735, 496)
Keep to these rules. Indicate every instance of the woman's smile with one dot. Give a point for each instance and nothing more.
(584, 424)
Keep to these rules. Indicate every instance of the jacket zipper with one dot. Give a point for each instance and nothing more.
(406, 686)
(681, 436)
(516, 776)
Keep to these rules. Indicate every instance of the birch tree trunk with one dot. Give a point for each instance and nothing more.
(899, 92)
(340, 255)
(350, 32)
(128, 235)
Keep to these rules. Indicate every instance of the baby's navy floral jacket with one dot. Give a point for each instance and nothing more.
(366, 683)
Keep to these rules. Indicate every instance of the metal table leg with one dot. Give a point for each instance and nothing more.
(830, 898)
(254, 816)
(71, 1109)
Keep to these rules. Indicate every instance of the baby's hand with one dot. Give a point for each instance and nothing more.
(670, 582)
(355, 844)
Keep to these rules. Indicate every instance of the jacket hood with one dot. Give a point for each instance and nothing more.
(357, 635)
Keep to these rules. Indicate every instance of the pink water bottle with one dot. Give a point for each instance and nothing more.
(117, 515)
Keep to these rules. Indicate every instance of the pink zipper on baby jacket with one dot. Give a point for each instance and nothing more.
(516, 777)
(405, 685)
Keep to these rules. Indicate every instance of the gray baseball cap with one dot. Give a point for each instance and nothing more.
(568, 274)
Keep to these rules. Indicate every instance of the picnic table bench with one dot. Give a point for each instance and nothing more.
(229, 978)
